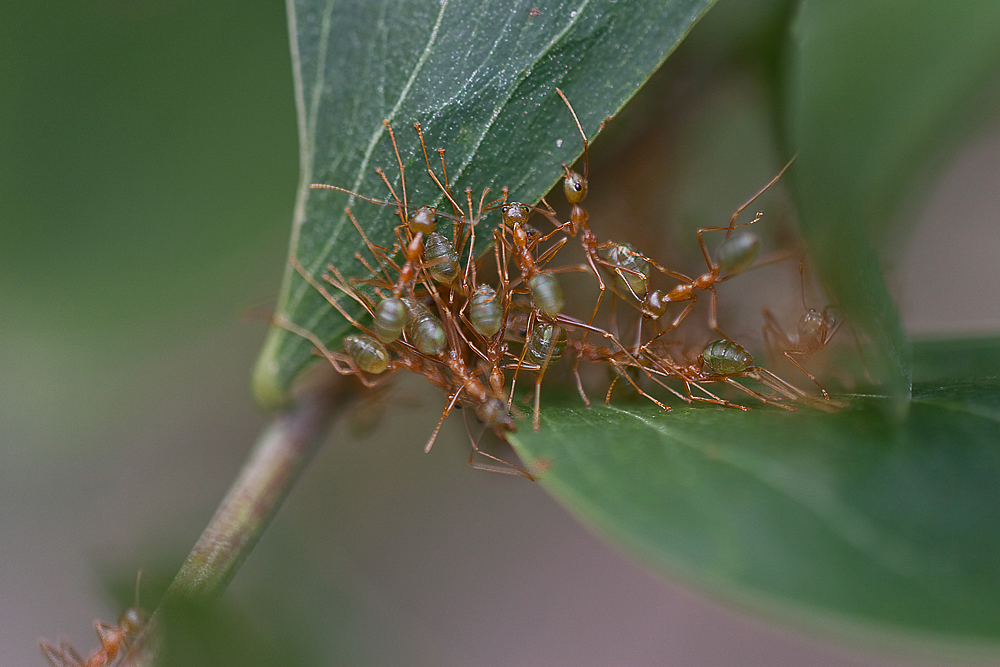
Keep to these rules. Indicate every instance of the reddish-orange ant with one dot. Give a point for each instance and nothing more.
(113, 639)
(618, 259)
(813, 332)
(734, 255)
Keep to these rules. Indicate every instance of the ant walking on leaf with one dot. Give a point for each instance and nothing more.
(814, 331)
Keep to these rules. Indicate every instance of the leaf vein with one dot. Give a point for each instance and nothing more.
(854, 529)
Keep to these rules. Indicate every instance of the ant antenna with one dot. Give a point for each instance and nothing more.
(586, 144)
(138, 580)
(754, 198)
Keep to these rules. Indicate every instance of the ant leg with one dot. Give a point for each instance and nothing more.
(775, 383)
(579, 381)
(550, 252)
(673, 325)
(713, 314)
(64, 656)
(444, 414)
(772, 333)
(756, 394)
(520, 361)
(402, 172)
(668, 272)
(611, 388)
(614, 314)
(329, 297)
(788, 355)
(571, 322)
(660, 367)
(444, 188)
(600, 283)
(505, 467)
(622, 373)
(754, 198)
(709, 397)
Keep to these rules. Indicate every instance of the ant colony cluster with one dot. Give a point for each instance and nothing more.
(429, 310)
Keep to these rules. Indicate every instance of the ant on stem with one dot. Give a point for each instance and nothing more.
(113, 639)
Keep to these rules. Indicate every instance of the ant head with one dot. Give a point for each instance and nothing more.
(574, 185)
(812, 325)
(514, 213)
(423, 220)
(132, 620)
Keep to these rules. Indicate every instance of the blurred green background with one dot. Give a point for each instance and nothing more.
(147, 174)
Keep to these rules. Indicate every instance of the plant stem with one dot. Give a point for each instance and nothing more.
(280, 454)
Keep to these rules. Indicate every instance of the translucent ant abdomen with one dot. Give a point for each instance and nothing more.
(815, 328)
(485, 311)
(738, 252)
(654, 305)
(424, 328)
(634, 278)
(367, 353)
(547, 293)
(547, 343)
(724, 357)
(389, 319)
(441, 259)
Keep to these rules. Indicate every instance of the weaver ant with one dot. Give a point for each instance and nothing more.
(113, 639)
(735, 254)
(628, 267)
(814, 331)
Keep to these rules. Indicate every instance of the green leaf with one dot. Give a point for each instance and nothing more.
(875, 89)
(480, 78)
(955, 360)
(887, 528)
